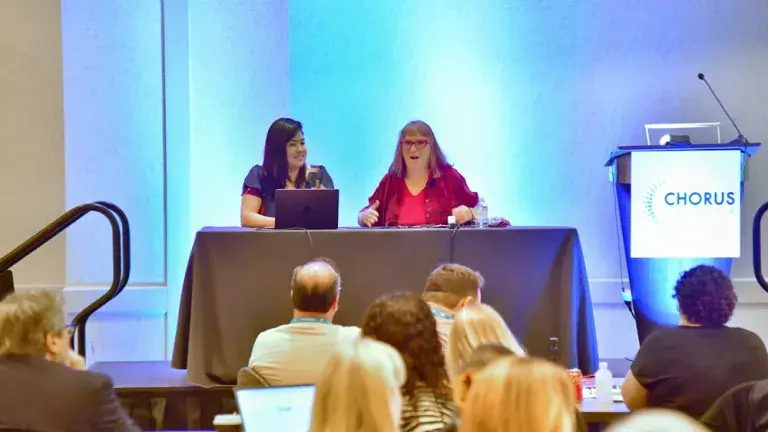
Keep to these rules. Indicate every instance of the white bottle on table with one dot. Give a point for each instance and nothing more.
(603, 384)
(481, 213)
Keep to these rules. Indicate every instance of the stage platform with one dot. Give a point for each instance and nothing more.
(159, 398)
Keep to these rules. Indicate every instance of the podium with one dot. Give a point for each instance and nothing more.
(679, 207)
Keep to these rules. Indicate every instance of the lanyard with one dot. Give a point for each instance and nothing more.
(310, 320)
(441, 313)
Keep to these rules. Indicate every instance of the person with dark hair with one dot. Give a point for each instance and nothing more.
(688, 367)
(449, 288)
(404, 321)
(284, 167)
(295, 353)
(421, 187)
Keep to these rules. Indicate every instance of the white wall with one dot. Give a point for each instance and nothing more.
(81, 120)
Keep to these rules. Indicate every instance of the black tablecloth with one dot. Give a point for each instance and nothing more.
(236, 285)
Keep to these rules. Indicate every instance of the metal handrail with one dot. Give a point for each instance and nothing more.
(125, 230)
(79, 321)
(757, 264)
(58, 226)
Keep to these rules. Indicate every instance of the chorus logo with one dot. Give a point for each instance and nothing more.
(664, 203)
(650, 197)
(700, 198)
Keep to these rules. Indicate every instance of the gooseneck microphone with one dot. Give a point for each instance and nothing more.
(741, 137)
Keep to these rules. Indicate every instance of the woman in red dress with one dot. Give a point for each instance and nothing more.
(420, 188)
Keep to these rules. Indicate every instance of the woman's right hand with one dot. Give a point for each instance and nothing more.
(369, 216)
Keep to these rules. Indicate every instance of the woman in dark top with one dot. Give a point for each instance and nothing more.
(689, 366)
(404, 321)
(284, 167)
(421, 188)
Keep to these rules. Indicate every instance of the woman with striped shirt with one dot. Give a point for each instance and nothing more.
(404, 321)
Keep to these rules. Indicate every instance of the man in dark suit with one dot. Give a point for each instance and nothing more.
(44, 386)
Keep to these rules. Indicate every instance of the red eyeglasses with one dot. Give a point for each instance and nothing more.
(420, 144)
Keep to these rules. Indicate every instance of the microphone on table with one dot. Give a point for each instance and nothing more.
(741, 138)
(553, 348)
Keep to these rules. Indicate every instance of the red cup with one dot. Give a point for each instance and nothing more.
(577, 378)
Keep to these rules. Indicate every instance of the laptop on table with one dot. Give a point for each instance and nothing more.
(315, 209)
(276, 409)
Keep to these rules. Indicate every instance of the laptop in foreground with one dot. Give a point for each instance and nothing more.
(275, 409)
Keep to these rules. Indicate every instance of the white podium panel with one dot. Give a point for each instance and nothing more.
(686, 204)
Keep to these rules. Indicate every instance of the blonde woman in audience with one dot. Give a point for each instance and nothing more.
(475, 325)
(658, 420)
(520, 394)
(359, 389)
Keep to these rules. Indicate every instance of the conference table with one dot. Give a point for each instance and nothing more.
(236, 286)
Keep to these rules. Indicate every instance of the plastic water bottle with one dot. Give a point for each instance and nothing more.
(481, 213)
(604, 384)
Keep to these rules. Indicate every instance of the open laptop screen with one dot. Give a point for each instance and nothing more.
(276, 409)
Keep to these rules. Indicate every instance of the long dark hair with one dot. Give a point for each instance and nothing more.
(404, 321)
(275, 165)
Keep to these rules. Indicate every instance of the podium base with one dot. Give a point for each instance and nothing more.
(653, 288)
(652, 280)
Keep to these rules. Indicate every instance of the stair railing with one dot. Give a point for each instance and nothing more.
(80, 320)
(757, 264)
(120, 256)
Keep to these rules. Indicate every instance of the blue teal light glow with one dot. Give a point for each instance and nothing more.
(359, 73)
(238, 84)
(526, 98)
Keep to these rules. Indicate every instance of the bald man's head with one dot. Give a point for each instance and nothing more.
(315, 287)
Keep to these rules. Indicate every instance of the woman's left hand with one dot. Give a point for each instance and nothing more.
(463, 214)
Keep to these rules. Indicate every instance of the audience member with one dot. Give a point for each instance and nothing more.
(44, 386)
(660, 420)
(476, 325)
(404, 321)
(295, 353)
(519, 394)
(689, 366)
(481, 357)
(359, 389)
(449, 288)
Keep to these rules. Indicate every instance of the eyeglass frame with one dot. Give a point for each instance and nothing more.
(419, 144)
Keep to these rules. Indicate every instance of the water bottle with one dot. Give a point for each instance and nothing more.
(604, 384)
(553, 348)
(481, 213)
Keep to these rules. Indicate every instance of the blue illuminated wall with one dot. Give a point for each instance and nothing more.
(527, 99)
(166, 104)
(226, 79)
(467, 68)
(238, 84)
